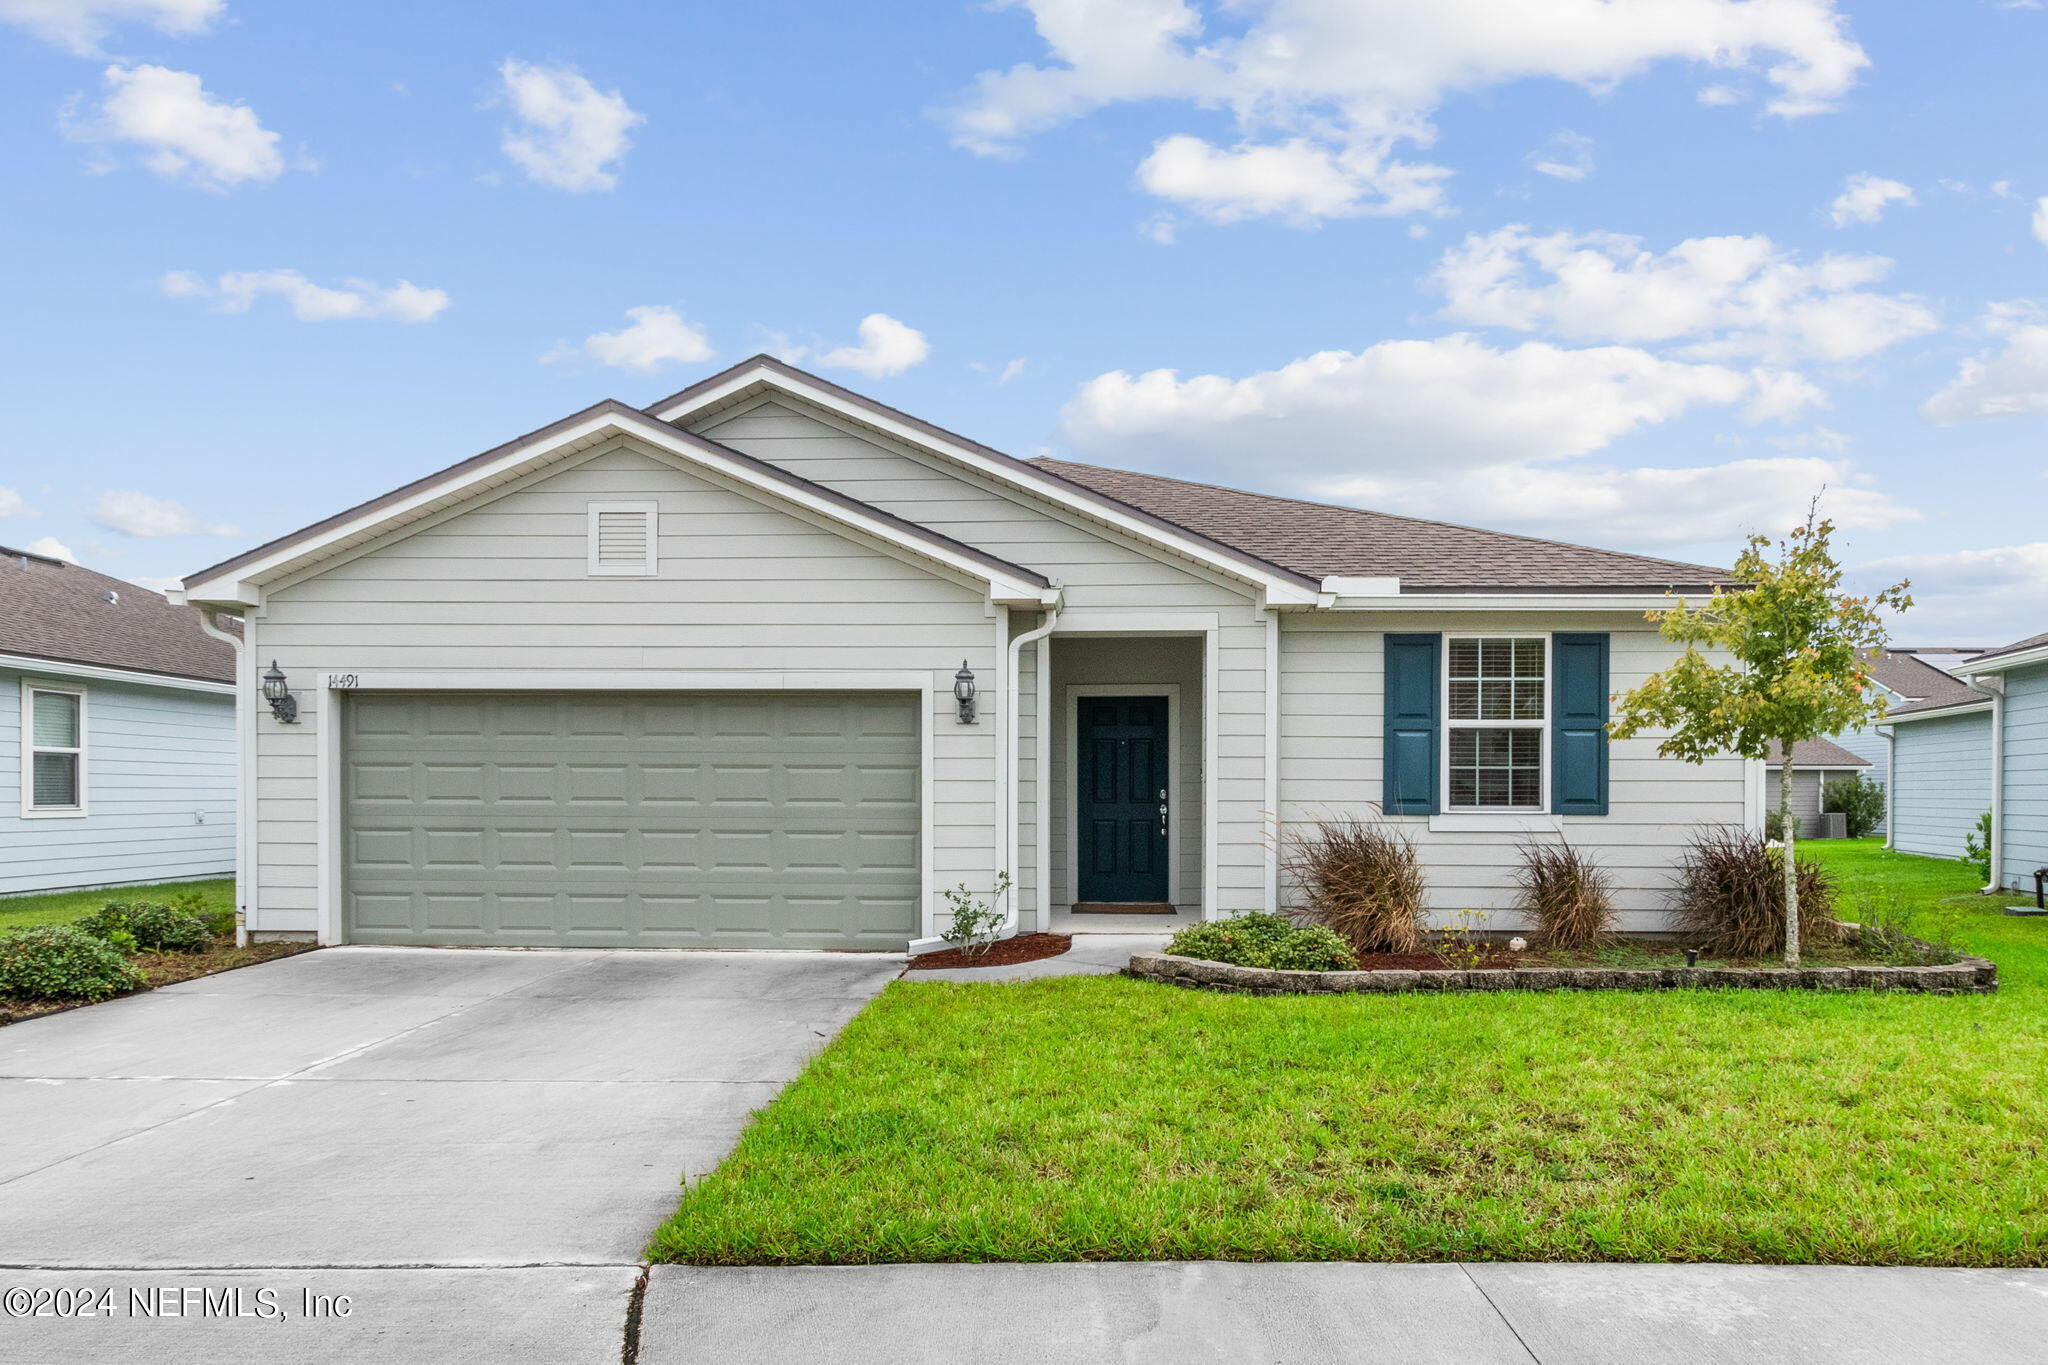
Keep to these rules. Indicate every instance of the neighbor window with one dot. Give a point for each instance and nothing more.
(53, 779)
(1495, 716)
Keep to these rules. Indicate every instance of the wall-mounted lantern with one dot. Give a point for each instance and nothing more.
(278, 693)
(963, 692)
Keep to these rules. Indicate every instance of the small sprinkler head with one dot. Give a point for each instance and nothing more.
(1692, 957)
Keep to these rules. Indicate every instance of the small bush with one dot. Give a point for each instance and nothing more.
(1977, 846)
(149, 927)
(1775, 821)
(59, 962)
(1566, 896)
(1860, 801)
(1730, 896)
(1258, 939)
(1887, 926)
(1363, 881)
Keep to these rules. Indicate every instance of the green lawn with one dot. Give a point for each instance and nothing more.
(1102, 1118)
(61, 907)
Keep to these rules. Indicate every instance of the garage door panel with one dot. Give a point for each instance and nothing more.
(693, 820)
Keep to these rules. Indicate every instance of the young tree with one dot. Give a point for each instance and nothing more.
(1795, 645)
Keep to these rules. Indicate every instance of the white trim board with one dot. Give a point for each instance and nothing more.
(1071, 709)
(29, 749)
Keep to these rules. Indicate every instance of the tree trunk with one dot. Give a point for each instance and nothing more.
(1791, 866)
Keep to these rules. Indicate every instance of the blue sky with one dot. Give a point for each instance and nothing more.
(1645, 276)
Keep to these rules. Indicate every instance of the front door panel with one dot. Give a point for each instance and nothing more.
(1122, 782)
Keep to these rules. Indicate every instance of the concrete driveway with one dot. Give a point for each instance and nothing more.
(473, 1146)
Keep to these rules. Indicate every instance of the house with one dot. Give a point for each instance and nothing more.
(1815, 763)
(2015, 679)
(771, 664)
(1902, 677)
(1979, 746)
(117, 720)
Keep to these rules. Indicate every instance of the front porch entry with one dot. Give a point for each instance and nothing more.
(1122, 805)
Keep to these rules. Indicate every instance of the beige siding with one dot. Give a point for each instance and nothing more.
(1330, 764)
(743, 587)
(1100, 572)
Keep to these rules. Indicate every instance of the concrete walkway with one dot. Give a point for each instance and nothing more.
(1307, 1314)
(473, 1146)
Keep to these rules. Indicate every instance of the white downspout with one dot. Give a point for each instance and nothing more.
(245, 759)
(1044, 751)
(1891, 784)
(1996, 687)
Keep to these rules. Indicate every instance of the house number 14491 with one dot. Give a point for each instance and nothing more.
(341, 682)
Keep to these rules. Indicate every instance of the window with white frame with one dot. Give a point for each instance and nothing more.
(1495, 713)
(53, 734)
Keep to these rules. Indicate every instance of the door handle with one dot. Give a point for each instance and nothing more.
(1162, 810)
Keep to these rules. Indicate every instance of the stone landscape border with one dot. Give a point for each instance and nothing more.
(1969, 976)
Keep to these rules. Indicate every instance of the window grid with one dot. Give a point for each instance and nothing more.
(1496, 710)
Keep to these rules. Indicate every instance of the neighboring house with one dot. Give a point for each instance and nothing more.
(1938, 771)
(1815, 763)
(686, 676)
(2016, 677)
(117, 740)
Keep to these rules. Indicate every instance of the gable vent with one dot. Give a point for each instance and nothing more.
(622, 539)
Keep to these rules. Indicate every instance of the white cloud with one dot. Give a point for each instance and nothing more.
(138, 514)
(655, 336)
(571, 135)
(1980, 597)
(238, 290)
(1013, 370)
(186, 134)
(82, 25)
(1448, 404)
(1720, 296)
(1324, 93)
(1567, 156)
(1865, 197)
(12, 504)
(51, 548)
(1640, 506)
(886, 347)
(2011, 381)
(2041, 220)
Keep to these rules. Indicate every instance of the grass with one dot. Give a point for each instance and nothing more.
(61, 907)
(1099, 1118)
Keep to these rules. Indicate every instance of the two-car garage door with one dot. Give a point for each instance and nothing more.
(648, 820)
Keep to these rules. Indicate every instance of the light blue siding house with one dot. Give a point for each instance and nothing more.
(1906, 677)
(2017, 679)
(117, 733)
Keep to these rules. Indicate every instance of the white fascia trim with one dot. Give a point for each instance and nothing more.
(1279, 590)
(1962, 709)
(2006, 662)
(53, 668)
(629, 680)
(1498, 601)
(241, 585)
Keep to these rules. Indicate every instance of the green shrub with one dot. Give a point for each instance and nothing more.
(59, 962)
(150, 927)
(1977, 846)
(1258, 939)
(1774, 825)
(1860, 801)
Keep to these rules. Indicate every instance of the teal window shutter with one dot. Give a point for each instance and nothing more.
(1413, 724)
(1578, 724)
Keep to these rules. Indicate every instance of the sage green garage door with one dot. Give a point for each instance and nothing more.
(640, 820)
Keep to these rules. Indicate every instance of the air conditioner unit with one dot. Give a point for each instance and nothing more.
(1833, 825)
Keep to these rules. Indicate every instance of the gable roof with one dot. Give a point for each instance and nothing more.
(582, 431)
(1908, 675)
(57, 611)
(766, 374)
(1324, 540)
(1816, 753)
(1955, 692)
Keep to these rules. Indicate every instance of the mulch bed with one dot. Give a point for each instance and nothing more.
(1007, 952)
(164, 969)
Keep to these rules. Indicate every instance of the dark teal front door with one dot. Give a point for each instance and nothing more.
(1121, 789)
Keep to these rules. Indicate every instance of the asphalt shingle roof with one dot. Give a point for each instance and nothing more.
(57, 611)
(2031, 642)
(1817, 753)
(1324, 540)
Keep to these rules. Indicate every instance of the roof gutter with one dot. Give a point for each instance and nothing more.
(245, 764)
(2001, 663)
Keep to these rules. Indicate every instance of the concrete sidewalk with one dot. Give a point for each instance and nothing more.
(1297, 1313)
